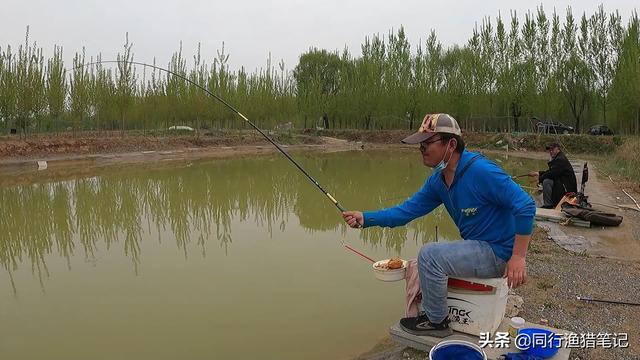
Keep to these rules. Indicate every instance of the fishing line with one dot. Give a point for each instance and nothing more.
(314, 181)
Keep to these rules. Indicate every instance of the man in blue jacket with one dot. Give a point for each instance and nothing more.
(494, 216)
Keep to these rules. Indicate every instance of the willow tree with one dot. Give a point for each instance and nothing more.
(434, 74)
(196, 98)
(7, 87)
(153, 95)
(551, 96)
(475, 79)
(176, 89)
(487, 74)
(502, 64)
(79, 90)
(317, 78)
(458, 70)
(543, 63)
(56, 86)
(576, 79)
(397, 78)
(574, 75)
(125, 82)
(220, 81)
(604, 43)
(625, 90)
(514, 72)
(102, 97)
(530, 66)
(370, 70)
(29, 83)
(347, 104)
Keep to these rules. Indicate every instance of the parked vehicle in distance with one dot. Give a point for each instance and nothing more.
(600, 130)
(552, 127)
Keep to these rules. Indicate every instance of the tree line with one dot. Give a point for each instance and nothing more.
(511, 73)
(578, 71)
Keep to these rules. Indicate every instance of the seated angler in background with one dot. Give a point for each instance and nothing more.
(558, 180)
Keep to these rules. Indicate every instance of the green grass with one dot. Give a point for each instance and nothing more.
(624, 162)
(544, 284)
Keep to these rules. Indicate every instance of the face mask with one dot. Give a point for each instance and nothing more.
(442, 164)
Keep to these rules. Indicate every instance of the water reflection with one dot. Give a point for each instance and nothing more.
(197, 204)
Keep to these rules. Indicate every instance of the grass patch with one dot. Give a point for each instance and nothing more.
(544, 284)
(549, 305)
(625, 162)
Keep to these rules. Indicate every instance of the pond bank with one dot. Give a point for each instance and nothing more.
(24, 169)
(83, 143)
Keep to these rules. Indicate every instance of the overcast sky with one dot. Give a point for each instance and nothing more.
(251, 29)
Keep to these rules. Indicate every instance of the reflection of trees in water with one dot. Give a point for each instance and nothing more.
(61, 220)
(191, 204)
(194, 204)
(20, 218)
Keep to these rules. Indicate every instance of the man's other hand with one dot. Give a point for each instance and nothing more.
(516, 271)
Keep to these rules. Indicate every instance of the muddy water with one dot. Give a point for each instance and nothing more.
(226, 259)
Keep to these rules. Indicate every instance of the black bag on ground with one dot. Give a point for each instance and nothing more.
(596, 217)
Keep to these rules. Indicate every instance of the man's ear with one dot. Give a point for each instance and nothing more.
(455, 143)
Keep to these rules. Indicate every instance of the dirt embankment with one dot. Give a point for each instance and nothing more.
(50, 145)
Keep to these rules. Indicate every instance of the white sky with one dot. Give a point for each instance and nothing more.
(251, 29)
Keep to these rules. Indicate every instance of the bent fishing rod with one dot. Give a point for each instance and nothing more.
(314, 181)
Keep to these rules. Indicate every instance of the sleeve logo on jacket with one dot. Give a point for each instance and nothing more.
(469, 211)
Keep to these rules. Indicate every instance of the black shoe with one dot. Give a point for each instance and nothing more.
(421, 326)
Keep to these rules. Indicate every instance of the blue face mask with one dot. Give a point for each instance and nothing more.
(442, 164)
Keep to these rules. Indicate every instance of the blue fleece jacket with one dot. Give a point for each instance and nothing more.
(485, 204)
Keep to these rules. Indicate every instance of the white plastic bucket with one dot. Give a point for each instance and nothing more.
(456, 350)
(475, 311)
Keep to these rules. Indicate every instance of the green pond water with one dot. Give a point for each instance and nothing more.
(219, 259)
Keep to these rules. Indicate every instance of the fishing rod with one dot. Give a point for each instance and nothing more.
(588, 299)
(314, 181)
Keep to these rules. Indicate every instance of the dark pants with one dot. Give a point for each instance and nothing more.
(547, 191)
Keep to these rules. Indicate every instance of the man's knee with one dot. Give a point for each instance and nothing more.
(547, 183)
(430, 253)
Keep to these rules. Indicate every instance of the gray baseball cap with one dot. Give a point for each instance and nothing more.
(433, 124)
